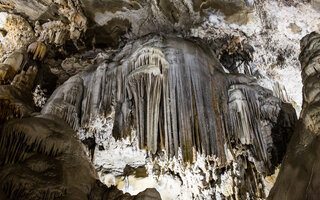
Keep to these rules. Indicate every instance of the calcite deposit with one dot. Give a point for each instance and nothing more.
(158, 99)
(176, 96)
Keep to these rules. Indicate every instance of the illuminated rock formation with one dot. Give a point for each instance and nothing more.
(175, 94)
(170, 88)
(40, 155)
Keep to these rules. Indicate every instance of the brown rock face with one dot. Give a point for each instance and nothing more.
(299, 174)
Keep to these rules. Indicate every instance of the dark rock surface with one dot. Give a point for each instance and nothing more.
(42, 159)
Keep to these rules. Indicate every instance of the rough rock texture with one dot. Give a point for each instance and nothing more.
(298, 176)
(139, 17)
(16, 32)
(16, 98)
(69, 19)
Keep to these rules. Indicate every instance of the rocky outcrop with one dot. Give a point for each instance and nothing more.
(298, 176)
(16, 33)
(138, 18)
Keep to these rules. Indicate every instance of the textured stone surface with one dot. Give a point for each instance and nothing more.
(17, 33)
(122, 18)
(16, 98)
(298, 176)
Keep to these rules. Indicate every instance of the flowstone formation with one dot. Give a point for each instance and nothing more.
(176, 96)
(304, 144)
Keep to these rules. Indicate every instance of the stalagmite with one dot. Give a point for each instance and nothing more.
(299, 174)
(65, 102)
(7, 73)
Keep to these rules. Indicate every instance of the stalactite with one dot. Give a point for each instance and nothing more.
(280, 92)
(65, 102)
(15, 98)
(17, 141)
(144, 85)
(40, 158)
(175, 94)
(38, 50)
(11, 66)
(257, 118)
